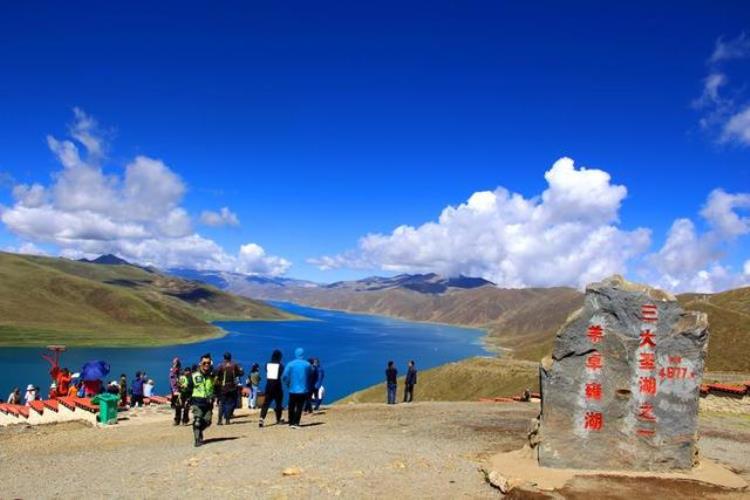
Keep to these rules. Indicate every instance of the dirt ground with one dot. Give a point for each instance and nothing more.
(422, 450)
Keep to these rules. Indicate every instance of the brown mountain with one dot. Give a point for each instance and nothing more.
(47, 300)
(524, 321)
(729, 324)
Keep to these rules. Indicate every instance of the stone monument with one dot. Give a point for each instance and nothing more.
(622, 388)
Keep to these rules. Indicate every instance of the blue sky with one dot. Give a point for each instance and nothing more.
(319, 123)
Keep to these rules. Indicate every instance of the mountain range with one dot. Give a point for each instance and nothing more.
(521, 321)
(107, 301)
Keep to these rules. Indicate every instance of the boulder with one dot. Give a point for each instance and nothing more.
(623, 385)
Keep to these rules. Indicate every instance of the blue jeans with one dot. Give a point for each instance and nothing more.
(392, 394)
(253, 396)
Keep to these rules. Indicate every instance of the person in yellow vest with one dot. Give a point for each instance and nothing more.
(202, 396)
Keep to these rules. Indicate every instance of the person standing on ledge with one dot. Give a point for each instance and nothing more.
(201, 399)
(410, 382)
(226, 378)
(123, 392)
(274, 392)
(391, 381)
(254, 382)
(296, 377)
(319, 391)
(136, 391)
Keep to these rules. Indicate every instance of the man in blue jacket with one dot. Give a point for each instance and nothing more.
(296, 378)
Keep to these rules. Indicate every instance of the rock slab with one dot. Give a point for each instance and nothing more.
(622, 389)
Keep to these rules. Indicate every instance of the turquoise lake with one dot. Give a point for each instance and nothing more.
(353, 349)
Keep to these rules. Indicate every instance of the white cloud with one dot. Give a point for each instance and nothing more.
(223, 217)
(137, 215)
(736, 48)
(30, 196)
(737, 128)
(86, 131)
(746, 269)
(691, 261)
(566, 236)
(253, 260)
(720, 212)
(727, 117)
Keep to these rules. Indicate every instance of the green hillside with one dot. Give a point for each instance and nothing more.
(729, 327)
(48, 300)
(466, 380)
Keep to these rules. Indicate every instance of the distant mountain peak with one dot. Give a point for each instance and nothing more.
(107, 260)
(423, 283)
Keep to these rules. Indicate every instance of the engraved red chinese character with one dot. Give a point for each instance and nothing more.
(594, 391)
(675, 360)
(647, 385)
(649, 313)
(646, 412)
(646, 432)
(647, 361)
(593, 420)
(594, 361)
(647, 338)
(595, 333)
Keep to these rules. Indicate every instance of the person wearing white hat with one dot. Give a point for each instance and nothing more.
(30, 394)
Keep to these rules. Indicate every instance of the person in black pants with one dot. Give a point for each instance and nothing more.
(409, 382)
(311, 385)
(391, 382)
(273, 391)
(297, 375)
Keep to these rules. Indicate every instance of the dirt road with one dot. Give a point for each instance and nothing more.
(424, 450)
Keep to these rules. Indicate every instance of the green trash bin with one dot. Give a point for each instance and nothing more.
(107, 407)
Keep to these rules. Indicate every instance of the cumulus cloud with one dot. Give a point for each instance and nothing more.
(253, 260)
(137, 214)
(30, 196)
(567, 236)
(223, 217)
(724, 111)
(690, 260)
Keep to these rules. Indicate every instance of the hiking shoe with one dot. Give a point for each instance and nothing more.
(219, 423)
(260, 423)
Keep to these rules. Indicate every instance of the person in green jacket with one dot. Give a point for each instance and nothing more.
(202, 396)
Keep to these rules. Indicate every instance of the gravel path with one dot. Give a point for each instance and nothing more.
(353, 451)
(423, 450)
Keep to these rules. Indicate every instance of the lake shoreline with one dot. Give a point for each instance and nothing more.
(353, 349)
(214, 333)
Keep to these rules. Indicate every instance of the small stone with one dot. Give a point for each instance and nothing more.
(500, 482)
(291, 471)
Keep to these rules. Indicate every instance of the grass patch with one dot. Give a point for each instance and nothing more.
(45, 300)
(467, 380)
